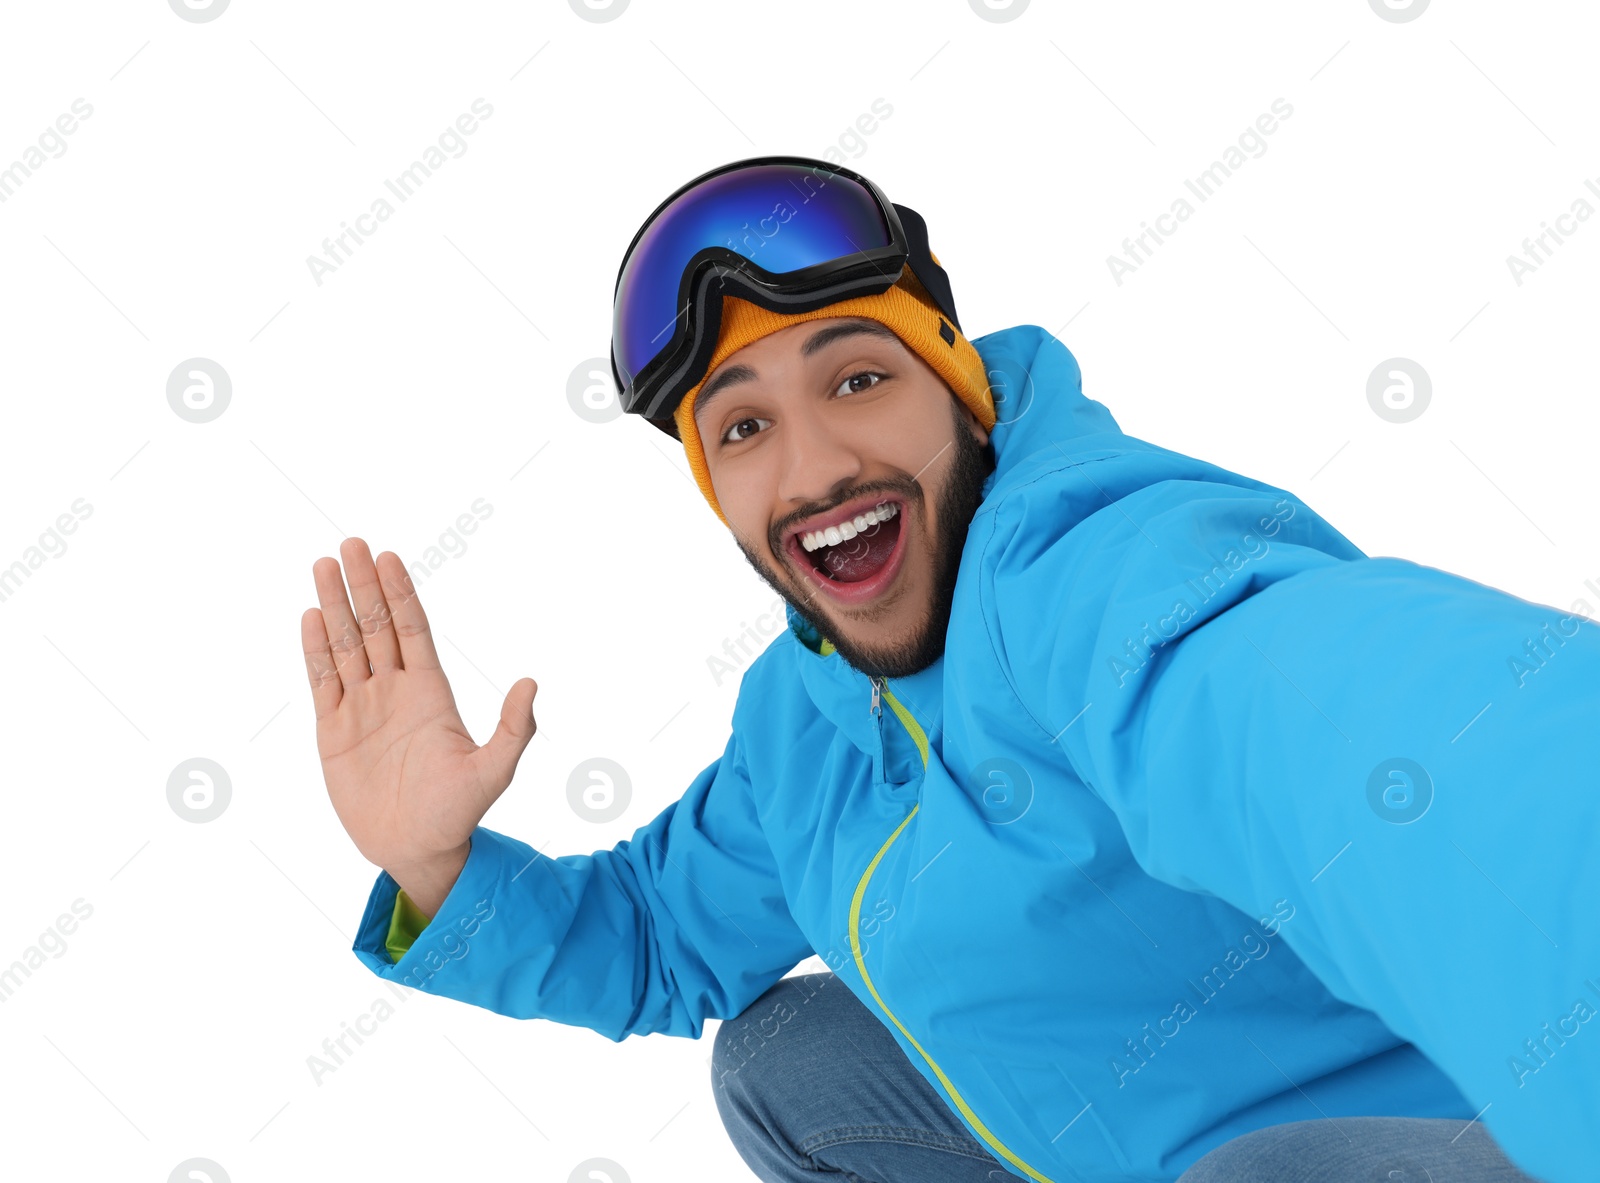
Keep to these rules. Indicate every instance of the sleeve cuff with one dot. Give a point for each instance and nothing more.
(405, 926)
(397, 942)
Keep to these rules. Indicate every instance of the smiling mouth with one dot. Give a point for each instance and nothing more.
(858, 567)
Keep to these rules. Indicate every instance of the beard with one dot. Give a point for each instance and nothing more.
(958, 501)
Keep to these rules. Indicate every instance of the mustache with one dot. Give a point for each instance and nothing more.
(912, 494)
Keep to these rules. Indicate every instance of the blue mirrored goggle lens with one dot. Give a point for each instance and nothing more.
(782, 217)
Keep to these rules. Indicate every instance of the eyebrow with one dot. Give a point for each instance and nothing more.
(814, 344)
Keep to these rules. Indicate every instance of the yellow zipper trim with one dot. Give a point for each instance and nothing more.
(917, 735)
(921, 740)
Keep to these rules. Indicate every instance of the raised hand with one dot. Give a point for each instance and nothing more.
(406, 779)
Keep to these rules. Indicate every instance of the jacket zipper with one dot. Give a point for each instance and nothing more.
(920, 738)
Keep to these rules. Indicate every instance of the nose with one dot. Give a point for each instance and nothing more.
(819, 460)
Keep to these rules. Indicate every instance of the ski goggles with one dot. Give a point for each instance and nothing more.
(787, 233)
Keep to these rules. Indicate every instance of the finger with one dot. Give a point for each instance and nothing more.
(496, 760)
(372, 611)
(344, 639)
(326, 687)
(410, 622)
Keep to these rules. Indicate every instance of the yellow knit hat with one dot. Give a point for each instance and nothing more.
(906, 308)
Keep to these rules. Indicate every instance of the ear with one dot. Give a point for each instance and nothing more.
(971, 422)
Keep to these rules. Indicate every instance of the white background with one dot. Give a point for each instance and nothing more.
(432, 369)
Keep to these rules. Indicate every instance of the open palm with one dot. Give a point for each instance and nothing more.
(406, 779)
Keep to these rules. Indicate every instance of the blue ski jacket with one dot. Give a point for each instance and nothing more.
(1205, 821)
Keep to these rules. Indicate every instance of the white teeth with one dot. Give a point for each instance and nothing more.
(844, 531)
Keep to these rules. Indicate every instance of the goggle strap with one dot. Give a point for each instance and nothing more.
(929, 274)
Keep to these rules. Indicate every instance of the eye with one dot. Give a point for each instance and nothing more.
(873, 374)
(734, 436)
(730, 438)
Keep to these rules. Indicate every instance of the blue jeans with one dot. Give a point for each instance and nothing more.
(833, 1094)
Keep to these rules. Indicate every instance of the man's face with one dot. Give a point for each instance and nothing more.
(836, 419)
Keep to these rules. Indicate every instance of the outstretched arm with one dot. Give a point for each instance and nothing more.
(1410, 756)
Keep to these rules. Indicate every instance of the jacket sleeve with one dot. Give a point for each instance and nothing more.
(1409, 757)
(683, 922)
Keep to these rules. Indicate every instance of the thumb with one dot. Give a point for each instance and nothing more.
(497, 759)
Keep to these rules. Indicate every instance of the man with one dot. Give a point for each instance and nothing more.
(1148, 827)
